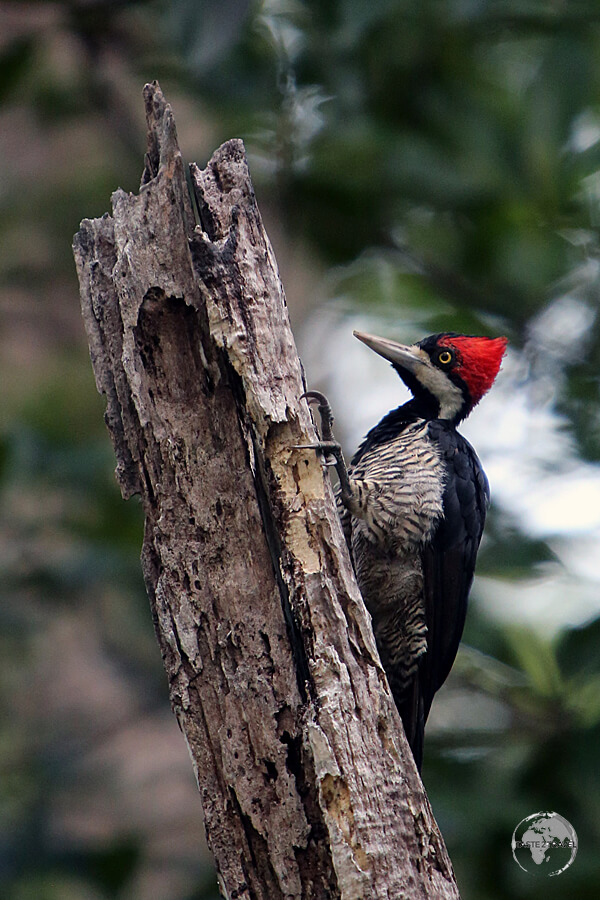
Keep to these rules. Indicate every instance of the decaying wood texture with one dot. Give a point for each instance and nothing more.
(308, 787)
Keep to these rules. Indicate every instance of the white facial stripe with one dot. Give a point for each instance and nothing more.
(438, 383)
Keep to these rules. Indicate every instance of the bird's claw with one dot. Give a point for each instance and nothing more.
(325, 413)
(327, 447)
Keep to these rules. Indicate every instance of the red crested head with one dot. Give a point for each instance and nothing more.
(447, 373)
(478, 361)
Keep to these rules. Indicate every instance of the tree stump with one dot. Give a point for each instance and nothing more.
(308, 786)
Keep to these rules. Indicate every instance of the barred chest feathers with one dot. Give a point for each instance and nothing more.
(398, 500)
(399, 489)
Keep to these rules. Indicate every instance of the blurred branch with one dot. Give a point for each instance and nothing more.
(308, 786)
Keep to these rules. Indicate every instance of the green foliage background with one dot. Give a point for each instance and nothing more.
(432, 162)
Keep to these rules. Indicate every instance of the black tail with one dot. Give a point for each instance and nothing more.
(413, 712)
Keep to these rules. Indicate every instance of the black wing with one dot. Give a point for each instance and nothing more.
(448, 567)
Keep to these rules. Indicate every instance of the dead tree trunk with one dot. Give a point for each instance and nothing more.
(308, 786)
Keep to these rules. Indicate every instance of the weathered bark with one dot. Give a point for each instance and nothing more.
(308, 787)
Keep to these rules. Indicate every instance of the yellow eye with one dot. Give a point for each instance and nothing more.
(445, 357)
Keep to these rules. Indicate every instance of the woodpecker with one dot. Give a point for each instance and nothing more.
(413, 506)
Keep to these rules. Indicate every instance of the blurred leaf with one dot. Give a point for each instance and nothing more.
(111, 868)
(508, 553)
(16, 60)
(536, 656)
(578, 652)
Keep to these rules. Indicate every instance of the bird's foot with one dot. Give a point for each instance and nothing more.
(327, 447)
